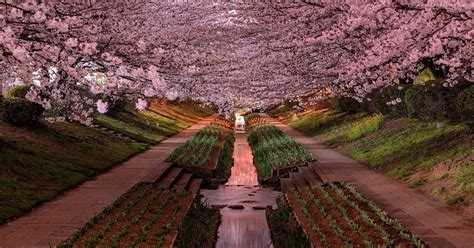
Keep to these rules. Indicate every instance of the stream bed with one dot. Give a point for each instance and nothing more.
(242, 203)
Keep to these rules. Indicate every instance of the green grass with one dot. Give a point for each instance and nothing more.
(152, 126)
(420, 145)
(251, 116)
(325, 123)
(151, 121)
(36, 165)
(313, 124)
(465, 179)
(407, 149)
(280, 110)
(147, 135)
(186, 112)
(368, 125)
(39, 164)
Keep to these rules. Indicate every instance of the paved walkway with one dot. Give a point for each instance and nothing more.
(429, 219)
(58, 219)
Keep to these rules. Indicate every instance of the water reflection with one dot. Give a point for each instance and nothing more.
(243, 171)
(245, 227)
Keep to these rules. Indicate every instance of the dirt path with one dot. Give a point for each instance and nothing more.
(58, 219)
(429, 219)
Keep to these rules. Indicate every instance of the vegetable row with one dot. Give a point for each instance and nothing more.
(197, 150)
(272, 149)
(336, 214)
(144, 216)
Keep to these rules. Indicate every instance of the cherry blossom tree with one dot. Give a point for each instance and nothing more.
(83, 56)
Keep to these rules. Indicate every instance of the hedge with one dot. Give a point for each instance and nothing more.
(18, 91)
(465, 104)
(434, 102)
(21, 112)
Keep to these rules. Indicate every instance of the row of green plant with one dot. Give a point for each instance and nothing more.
(226, 158)
(372, 226)
(198, 149)
(285, 231)
(272, 149)
(199, 227)
(384, 217)
(428, 101)
(124, 223)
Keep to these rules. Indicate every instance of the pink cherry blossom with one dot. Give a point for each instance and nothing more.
(231, 54)
(141, 104)
(102, 107)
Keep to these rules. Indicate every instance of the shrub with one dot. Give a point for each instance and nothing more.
(369, 124)
(21, 112)
(413, 101)
(428, 102)
(379, 99)
(434, 102)
(465, 104)
(18, 91)
(117, 107)
(346, 104)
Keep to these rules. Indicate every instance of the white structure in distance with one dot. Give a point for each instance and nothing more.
(239, 123)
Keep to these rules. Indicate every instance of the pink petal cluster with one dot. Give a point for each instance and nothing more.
(246, 54)
(102, 107)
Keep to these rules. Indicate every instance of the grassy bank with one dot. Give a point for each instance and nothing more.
(438, 161)
(159, 121)
(37, 164)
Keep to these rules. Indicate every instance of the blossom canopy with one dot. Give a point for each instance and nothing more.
(229, 53)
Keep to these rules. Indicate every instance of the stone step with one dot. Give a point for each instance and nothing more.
(195, 185)
(170, 178)
(324, 173)
(157, 173)
(183, 181)
(286, 184)
(310, 176)
(298, 180)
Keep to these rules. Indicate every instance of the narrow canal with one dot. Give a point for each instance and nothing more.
(243, 203)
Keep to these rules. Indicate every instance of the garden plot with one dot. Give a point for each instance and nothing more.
(208, 153)
(147, 215)
(337, 215)
(276, 153)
